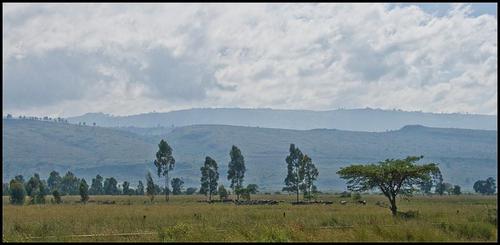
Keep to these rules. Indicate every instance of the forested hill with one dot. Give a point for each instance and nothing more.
(464, 155)
(371, 120)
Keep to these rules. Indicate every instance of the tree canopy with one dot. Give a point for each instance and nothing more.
(393, 177)
(487, 187)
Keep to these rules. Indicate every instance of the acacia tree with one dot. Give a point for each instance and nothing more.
(164, 163)
(393, 177)
(209, 177)
(310, 175)
(236, 170)
(295, 175)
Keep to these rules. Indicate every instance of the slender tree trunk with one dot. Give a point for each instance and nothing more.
(166, 188)
(297, 193)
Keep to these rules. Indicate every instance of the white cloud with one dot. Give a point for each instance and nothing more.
(68, 59)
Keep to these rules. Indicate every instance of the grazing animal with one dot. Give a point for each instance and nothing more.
(284, 214)
(343, 202)
(362, 202)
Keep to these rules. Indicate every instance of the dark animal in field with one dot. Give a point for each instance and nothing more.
(343, 202)
(362, 202)
(284, 214)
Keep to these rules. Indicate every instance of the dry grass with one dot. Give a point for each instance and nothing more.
(184, 219)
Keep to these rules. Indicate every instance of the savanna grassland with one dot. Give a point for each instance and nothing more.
(441, 218)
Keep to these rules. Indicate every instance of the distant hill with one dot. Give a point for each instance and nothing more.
(464, 155)
(371, 120)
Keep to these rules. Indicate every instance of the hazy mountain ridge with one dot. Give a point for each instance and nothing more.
(372, 120)
(465, 155)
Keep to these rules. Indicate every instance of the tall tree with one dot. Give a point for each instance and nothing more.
(70, 184)
(209, 177)
(439, 189)
(126, 188)
(164, 163)
(97, 187)
(177, 186)
(310, 175)
(150, 187)
(393, 177)
(110, 187)
(54, 181)
(236, 170)
(295, 175)
(140, 189)
(84, 191)
(36, 189)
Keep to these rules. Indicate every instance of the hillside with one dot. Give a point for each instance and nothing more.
(371, 120)
(464, 155)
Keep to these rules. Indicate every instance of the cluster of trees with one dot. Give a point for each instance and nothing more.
(486, 187)
(45, 118)
(165, 163)
(301, 174)
(439, 186)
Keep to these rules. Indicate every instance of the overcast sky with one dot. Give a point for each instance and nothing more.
(69, 59)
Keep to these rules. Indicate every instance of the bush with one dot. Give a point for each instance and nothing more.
(174, 233)
(408, 215)
(57, 197)
(17, 192)
(356, 196)
(345, 194)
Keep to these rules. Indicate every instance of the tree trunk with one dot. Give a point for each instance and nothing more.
(394, 209)
(166, 188)
(297, 194)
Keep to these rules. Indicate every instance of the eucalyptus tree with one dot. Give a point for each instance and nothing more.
(209, 177)
(164, 163)
(295, 175)
(236, 170)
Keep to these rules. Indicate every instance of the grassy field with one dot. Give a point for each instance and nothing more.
(133, 218)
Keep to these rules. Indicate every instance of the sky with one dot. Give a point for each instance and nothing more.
(122, 59)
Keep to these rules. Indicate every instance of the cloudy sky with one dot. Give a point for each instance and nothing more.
(69, 59)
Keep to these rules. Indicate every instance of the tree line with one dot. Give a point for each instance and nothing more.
(34, 118)
(392, 177)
